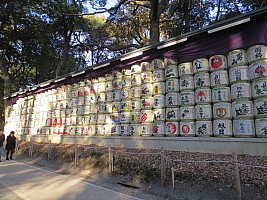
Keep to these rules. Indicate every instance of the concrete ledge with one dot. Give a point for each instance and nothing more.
(251, 146)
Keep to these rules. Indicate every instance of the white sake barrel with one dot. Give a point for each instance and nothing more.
(239, 73)
(203, 95)
(259, 88)
(159, 88)
(87, 82)
(93, 108)
(242, 109)
(147, 103)
(116, 118)
(186, 83)
(217, 62)
(85, 120)
(222, 110)
(172, 85)
(172, 128)
(260, 107)
(237, 57)
(202, 80)
(91, 129)
(146, 129)
(125, 117)
(203, 112)
(204, 128)
(93, 98)
(100, 118)
(135, 117)
(106, 108)
(170, 61)
(201, 65)
(73, 120)
(109, 96)
(69, 95)
(222, 128)
(219, 78)
(67, 121)
(171, 71)
(101, 97)
(94, 87)
(158, 129)
(99, 130)
(146, 66)
(256, 52)
(126, 82)
(86, 110)
(243, 127)
(135, 69)
(159, 101)
(172, 114)
(101, 87)
(135, 92)
(147, 116)
(146, 77)
(221, 94)
(126, 94)
(136, 80)
(147, 89)
(63, 112)
(126, 105)
(157, 64)
(87, 101)
(100, 79)
(117, 84)
(158, 75)
(187, 128)
(258, 69)
(126, 72)
(135, 104)
(240, 91)
(185, 69)
(135, 129)
(108, 86)
(80, 110)
(159, 114)
(172, 99)
(66, 130)
(117, 95)
(108, 118)
(116, 106)
(261, 127)
(187, 98)
(109, 76)
(125, 129)
(79, 120)
(74, 102)
(107, 129)
(116, 74)
(187, 112)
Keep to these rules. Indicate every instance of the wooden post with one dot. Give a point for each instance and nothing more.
(237, 178)
(110, 158)
(16, 148)
(49, 151)
(162, 159)
(76, 155)
(172, 168)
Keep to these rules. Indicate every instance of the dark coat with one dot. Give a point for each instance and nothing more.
(10, 143)
(2, 139)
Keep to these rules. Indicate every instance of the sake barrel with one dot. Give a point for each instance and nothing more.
(204, 128)
(159, 114)
(146, 66)
(203, 112)
(135, 69)
(219, 78)
(101, 97)
(258, 69)
(256, 52)
(146, 77)
(116, 106)
(201, 65)
(93, 108)
(126, 94)
(147, 89)
(172, 128)
(125, 117)
(135, 117)
(185, 69)
(93, 98)
(126, 105)
(242, 109)
(87, 100)
(222, 110)
(260, 107)
(125, 129)
(237, 57)
(243, 127)
(100, 118)
(172, 114)
(135, 129)
(187, 128)
(136, 80)
(101, 87)
(117, 95)
(108, 86)
(187, 98)
(157, 63)
(171, 71)
(239, 73)
(259, 88)
(135, 104)
(109, 76)
(91, 129)
(241, 91)
(222, 128)
(109, 96)
(203, 95)
(218, 62)
(172, 85)
(158, 128)
(221, 94)
(116, 118)
(202, 80)
(126, 82)
(106, 108)
(99, 130)
(158, 75)
(170, 61)
(261, 127)
(107, 129)
(147, 103)
(159, 101)
(108, 118)
(116, 74)
(172, 99)
(126, 72)
(159, 88)
(146, 129)
(187, 112)
(186, 83)
(135, 92)
(147, 116)
(117, 84)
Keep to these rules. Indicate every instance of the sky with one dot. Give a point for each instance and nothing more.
(110, 3)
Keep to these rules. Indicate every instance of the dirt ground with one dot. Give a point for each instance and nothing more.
(138, 174)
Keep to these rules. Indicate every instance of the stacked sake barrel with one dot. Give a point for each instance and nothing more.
(257, 55)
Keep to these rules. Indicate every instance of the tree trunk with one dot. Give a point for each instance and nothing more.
(63, 60)
(154, 22)
(186, 15)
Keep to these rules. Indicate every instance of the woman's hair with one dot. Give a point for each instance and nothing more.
(12, 132)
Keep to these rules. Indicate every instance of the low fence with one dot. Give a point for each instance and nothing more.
(166, 162)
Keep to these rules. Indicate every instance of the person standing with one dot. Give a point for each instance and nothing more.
(2, 140)
(10, 144)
